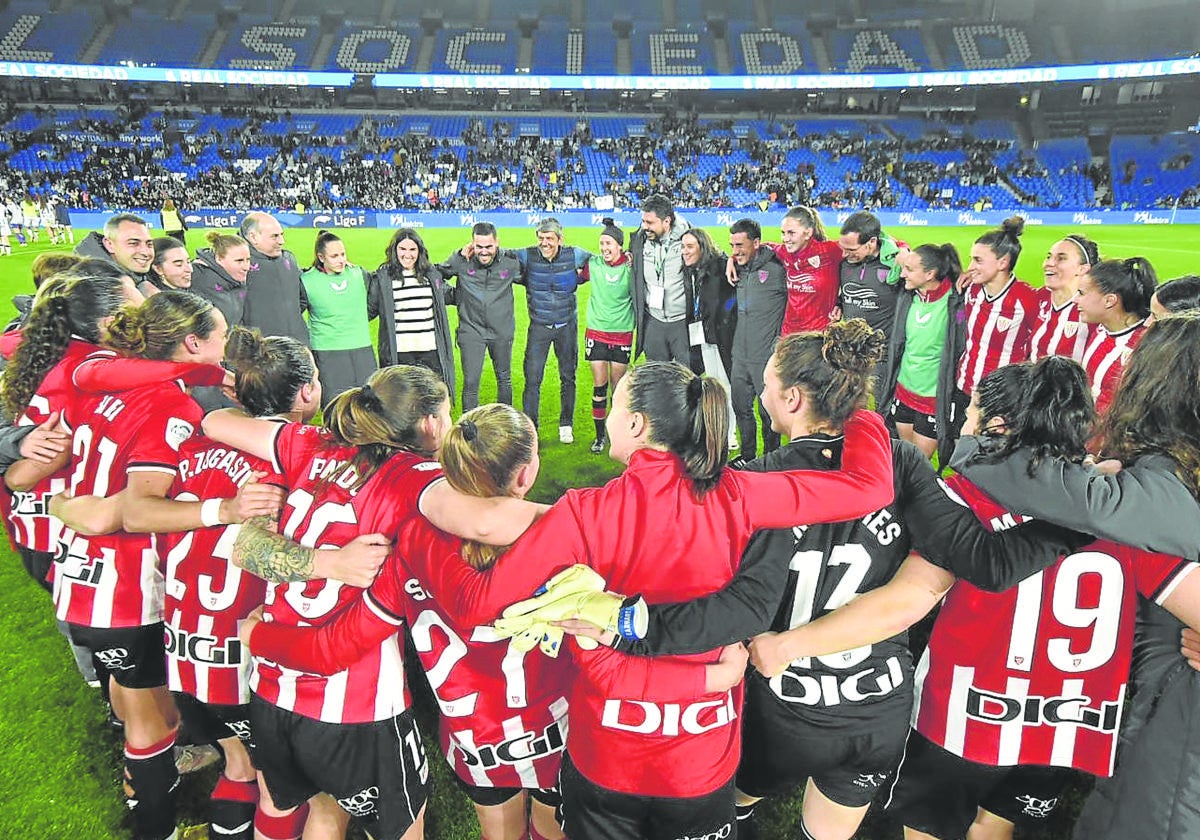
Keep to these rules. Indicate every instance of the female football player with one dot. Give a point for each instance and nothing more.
(1059, 330)
(652, 745)
(1115, 298)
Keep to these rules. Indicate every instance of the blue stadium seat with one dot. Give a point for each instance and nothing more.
(47, 36)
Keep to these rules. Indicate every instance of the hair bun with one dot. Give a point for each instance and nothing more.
(1013, 226)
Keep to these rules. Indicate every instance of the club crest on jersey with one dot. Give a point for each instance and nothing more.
(762, 276)
(178, 430)
(1003, 324)
(815, 262)
(1070, 328)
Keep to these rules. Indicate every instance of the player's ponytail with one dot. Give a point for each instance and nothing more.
(155, 329)
(687, 414)
(1054, 414)
(1133, 281)
(269, 372)
(481, 456)
(74, 302)
(384, 415)
(1005, 241)
(833, 368)
(1180, 294)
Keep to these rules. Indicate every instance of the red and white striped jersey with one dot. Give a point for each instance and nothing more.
(998, 331)
(502, 712)
(1058, 330)
(812, 285)
(1036, 674)
(324, 509)
(31, 524)
(114, 580)
(1105, 359)
(207, 596)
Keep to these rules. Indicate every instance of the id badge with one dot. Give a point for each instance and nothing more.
(656, 296)
(696, 333)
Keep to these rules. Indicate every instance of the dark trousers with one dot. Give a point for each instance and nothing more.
(667, 342)
(473, 347)
(746, 383)
(340, 370)
(426, 359)
(592, 812)
(565, 340)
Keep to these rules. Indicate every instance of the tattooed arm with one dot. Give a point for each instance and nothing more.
(278, 559)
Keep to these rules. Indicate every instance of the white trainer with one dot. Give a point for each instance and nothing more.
(566, 434)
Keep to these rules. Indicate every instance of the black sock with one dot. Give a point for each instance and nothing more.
(747, 826)
(150, 783)
(231, 809)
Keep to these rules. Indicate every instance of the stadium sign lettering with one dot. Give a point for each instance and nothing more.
(398, 220)
(1085, 219)
(1147, 218)
(968, 219)
(64, 71)
(238, 77)
(906, 219)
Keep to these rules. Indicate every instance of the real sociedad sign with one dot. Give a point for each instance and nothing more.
(631, 219)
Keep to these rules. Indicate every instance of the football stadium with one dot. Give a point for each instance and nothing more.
(843, 355)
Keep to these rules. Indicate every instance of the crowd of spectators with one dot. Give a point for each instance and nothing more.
(488, 168)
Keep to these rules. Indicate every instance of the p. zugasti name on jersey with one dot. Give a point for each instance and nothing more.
(229, 461)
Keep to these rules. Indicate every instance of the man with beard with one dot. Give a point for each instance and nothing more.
(661, 299)
(486, 323)
(869, 280)
(761, 301)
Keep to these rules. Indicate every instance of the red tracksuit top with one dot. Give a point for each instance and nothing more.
(646, 726)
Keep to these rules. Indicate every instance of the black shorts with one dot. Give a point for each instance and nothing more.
(939, 792)
(207, 723)
(133, 656)
(781, 751)
(922, 423)
(591, 812)
(595, 350)
(376, 771)
(486, 797)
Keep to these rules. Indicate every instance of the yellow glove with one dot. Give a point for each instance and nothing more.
(531, 634)
(576, 592)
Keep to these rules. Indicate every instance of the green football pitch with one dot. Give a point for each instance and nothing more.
(60, 762)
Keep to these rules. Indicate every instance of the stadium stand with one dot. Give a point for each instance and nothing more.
(321, 159)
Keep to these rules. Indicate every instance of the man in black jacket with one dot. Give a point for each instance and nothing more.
(484, 297)
(275, 296)
(126, 242)
(761, 303)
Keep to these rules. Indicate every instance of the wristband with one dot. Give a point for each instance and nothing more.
(210, 512)
(633, 619)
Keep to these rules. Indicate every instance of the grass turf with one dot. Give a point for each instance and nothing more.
(60, 762)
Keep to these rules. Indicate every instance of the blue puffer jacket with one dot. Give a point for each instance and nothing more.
(550, 284)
